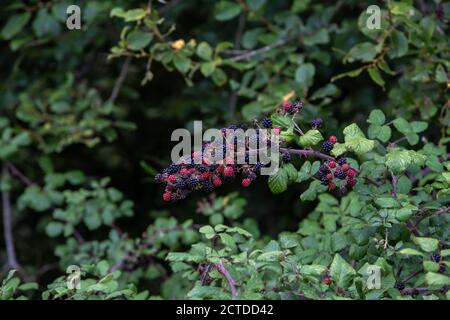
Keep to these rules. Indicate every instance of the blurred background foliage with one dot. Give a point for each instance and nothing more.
(86, 115)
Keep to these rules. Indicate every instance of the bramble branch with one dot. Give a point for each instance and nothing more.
(221, 268)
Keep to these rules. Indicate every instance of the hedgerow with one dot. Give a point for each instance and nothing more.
(359, 208)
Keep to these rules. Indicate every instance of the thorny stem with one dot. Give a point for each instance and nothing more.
(249, 54)
(308, 152)
(221, 268)
(412, 275)
(17, 173)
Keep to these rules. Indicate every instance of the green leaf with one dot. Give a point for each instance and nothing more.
(281, 121)
(356, 141)
(418, 126)
(304, 74)
(310, 138)
(375, 75)
(207, 68)
(377, 117)
(338, 149)
(402, 125)
(387, 202)
(208, 231)
(278, 181)
(341, 272)
(226, 10)
(399, 44)
(410, 252)
(134, 15)
(291, 171)
(15, 24)
(437, 280)
(204, 51)
(351, 74)
(364, 52)
(427, 244)
(138, 40)
(182, 63)
(54, 229)
(219, 77)
(255, 4)
(45, 24)
(311, 193)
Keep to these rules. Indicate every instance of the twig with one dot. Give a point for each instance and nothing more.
(249, 54)
(237, 45)
(221, 268)
(17, 173)
(7, 231)
(412, 275)
(394, 185)
(120, 79)
(307, 152)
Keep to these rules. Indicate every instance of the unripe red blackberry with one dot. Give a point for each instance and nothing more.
(332, 139)
(246, 182)
(345, 166)
(286, 105)
(217, 182)
(327, 280)
(351, 173)
(330, 176)
(351, 182)
(332, 164)
(228, 171)
(167, 196)
(331, 186)
(276, 131)
(172, 178)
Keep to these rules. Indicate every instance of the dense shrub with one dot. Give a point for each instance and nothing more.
(85, 123)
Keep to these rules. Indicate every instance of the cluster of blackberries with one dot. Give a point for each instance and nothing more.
(337, 174)
(186, 177)
(327, 145)
(292, 108)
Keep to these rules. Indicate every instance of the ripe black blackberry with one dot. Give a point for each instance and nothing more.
(192, 183)
(341, 161)
(436, 257)
(316, 123)
(286, 157)
(201, 168)
(180, 184)
(207, 186)
(340, 174)
(266, 123)
(399, 285)
(327, 146)
(159, 177)
(324, 180)
(173, 168)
